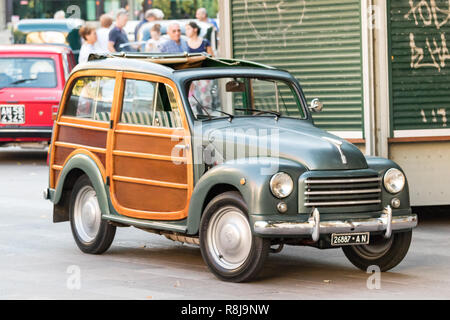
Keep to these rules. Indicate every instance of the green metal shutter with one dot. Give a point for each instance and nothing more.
(420, 70)
(318, 41)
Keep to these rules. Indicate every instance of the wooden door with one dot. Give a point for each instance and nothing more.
(150, 169)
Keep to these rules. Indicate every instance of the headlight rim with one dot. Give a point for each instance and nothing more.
(388, 187)
(271, 185)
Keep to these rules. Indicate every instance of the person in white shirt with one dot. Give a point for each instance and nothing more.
(89, 36)
(152, 44)
(103, 32)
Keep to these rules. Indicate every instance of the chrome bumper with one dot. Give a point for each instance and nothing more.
(314, 227)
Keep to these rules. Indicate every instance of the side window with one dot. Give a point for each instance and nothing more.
(105, 95)
(138, 102)
(167, 113)
(150, 104)
(91, 98)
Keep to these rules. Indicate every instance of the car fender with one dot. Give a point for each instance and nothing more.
(249, 176)
(381, 165)
(84, 162)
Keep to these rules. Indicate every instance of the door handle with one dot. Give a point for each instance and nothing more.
(182, 146)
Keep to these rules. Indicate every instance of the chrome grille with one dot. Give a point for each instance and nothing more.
(342, 191)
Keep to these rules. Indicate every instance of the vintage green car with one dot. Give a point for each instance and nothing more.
(221, 153)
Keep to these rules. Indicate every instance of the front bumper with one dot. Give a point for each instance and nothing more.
(314, 227)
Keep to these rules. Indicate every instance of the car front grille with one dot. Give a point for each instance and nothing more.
(342, 191)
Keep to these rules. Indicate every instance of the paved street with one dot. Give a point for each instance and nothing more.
(38, 259)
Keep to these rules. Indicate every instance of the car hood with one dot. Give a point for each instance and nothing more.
(297, 140)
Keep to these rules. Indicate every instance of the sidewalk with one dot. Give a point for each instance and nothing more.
(5, 36)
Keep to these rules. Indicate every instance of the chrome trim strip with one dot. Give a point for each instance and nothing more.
(314, 227)
(343, 192)
(341, 203)
(343, 180)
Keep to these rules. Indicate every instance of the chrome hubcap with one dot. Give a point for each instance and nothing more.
(229, 238)
(87, 214)
(379, 247)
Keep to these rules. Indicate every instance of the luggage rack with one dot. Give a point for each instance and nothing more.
(179, 60)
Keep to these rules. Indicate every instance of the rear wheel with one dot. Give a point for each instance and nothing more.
(227, 244)
(91, 233)
(384, 253)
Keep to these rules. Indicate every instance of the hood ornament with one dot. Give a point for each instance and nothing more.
(338, 145)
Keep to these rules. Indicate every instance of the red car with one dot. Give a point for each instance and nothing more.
(32, 78)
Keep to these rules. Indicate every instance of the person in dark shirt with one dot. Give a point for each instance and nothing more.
(195, 42)
(117, 35)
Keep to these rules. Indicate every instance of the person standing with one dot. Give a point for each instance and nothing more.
(153, 44)
(117, 35)
(195, 42)
(89, 36)
(175, 44)
(202, 15)
(103, 32)
(150, 16)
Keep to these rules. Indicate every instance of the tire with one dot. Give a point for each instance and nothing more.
(230, 250)
(91, 233)
(384, 253)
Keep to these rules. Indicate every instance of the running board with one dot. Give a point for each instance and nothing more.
(179, 226)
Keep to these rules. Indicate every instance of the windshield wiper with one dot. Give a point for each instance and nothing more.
(258, 112)
(22, 80)
(209, 115)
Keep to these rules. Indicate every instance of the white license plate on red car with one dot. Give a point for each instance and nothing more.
(12, 114)
(346, 239)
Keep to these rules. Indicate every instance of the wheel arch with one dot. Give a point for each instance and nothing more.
(77, 165)
(248, 177)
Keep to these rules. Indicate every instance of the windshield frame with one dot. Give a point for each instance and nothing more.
(277, 75)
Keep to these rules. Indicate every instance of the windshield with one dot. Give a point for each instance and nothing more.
(229, 97)
(27, 73)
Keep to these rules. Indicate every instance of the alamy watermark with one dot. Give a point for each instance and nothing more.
(74, 279)
(374, 280)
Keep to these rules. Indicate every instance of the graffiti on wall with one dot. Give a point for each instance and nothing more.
(433, 51)
(428, 14)
(278, 26)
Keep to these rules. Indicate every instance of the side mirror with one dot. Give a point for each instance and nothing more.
(316, 105)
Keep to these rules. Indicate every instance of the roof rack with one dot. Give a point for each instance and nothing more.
(180, 60)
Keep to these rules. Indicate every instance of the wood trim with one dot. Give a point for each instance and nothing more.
(419, 139)
(143, 131)
(148, 156)
(79, 146)
(151, 182)
(84, 123)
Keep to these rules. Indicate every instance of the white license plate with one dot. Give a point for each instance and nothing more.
(12, 114)
(345, 239)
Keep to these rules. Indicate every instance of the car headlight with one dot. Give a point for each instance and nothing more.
(281, 185)
(394, 180)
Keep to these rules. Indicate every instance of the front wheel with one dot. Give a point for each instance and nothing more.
(384, 253)
(91, 233)
(227, 244)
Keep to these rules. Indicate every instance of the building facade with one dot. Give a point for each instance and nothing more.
(91, 9)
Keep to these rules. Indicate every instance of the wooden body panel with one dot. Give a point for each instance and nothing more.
(151, 175)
